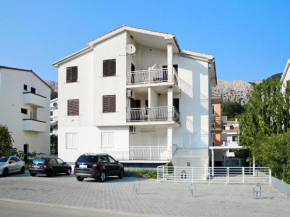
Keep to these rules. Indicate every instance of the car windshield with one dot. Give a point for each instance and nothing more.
(3, 159)
(38, 161)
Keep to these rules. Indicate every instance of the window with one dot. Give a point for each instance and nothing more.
(109, 103)
(71, 74)
(15, 159)
(32, 90)
(176, 103)
(213, 143)
(109, 68)
(25, 87)
(111, 160)
(73, 107)
(213, 112)
(107, 139)
(59, 161)
(104, 159)
(51, 130)
(71, 140)
(234, 138)
(24, 111)
(12, 160)
(51, 113)
(52, 161)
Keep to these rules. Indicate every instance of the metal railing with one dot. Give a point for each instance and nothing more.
(152, 76)
(164, 113)
(137, 152)
(216, 175)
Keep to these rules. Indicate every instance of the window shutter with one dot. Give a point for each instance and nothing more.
(109, 68)
(73, 107)
(68, 75)
(74, 74)
(113, 103)
(76, 107)
(106, 103)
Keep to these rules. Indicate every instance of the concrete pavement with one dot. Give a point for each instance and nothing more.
(115, 197)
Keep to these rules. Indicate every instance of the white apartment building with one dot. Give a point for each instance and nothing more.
(150, 104)
(54, 116)
(24, 109)
(285, 76)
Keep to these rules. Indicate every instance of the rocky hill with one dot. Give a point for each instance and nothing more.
(53, 85)
(237, 90)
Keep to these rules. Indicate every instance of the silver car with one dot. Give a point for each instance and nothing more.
(11, 164)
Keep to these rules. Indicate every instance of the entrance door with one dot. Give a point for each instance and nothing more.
(176, 103)
(26, 151)
(133, 73)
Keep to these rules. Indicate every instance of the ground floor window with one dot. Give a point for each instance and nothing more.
(107, 139)
(71, 140)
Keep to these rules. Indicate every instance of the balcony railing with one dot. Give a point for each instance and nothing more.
(137, 152)
(164, 113)
(152, 76)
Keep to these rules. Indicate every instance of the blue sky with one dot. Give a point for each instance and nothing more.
(250, 39)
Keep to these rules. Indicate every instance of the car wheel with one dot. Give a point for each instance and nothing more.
(49, 173)
(5, 172)
(80, 178)
(22, 170)
(102, 177)
(33, 174)
(121, 174)
(68, 171)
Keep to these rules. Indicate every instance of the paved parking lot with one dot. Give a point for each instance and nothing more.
(115, 196)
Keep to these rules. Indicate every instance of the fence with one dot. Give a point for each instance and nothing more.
(209, 175)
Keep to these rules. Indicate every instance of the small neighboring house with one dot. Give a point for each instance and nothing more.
(24, 108)
(285, 76)
(54, 117)
(150, 104)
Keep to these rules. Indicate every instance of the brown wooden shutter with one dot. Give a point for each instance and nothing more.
(68, 74)
(106, 103)
(113, 103)
(73, 107)
(74, 74)
(109, 103)
(109, 68)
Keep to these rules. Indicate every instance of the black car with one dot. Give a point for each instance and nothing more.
(97, 166)
(48, 166)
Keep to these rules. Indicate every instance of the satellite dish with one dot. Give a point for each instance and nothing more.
(130, 49)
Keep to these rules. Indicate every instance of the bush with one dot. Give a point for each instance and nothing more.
(143, 173)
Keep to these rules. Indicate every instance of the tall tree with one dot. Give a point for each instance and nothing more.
(6, 140)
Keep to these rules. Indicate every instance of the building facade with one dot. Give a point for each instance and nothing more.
(54, 117)
(24, 109)
(134, 94)
(285, 76)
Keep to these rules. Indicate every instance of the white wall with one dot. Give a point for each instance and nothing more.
(287, 78)
(11, 98)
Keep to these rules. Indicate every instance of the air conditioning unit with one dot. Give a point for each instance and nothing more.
(129, 94)
(132, 129)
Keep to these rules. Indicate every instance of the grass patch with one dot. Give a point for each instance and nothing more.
(148, 174)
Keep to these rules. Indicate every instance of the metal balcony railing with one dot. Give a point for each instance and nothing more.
(165, 113)
(152, 76)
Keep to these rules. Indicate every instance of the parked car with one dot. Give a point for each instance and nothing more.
(48, 166)
(97, 166)
(11, 164)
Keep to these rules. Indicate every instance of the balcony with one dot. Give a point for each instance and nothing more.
(34, 125)
(34, 99)
(133, 153)
(217, 124)
(164, 113)
(153, 77)
(217, 99)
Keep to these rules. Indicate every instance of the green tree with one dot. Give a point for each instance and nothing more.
(53, 144)
(6, 140)
(232, 109)
(266, 117)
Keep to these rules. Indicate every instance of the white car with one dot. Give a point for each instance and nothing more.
(11, 164)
